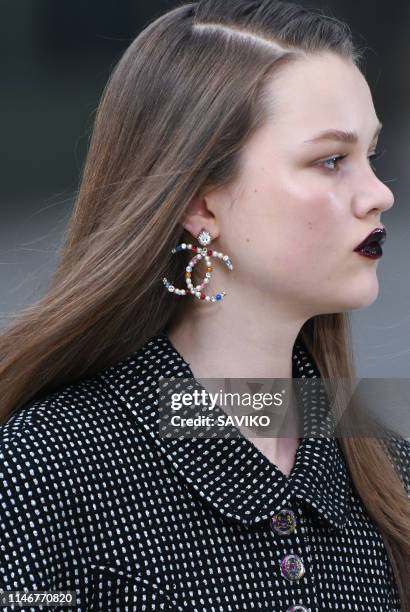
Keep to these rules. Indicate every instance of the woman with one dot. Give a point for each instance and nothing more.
(210, 134)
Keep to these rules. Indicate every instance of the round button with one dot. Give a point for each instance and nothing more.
(297, 609)
(284, 522)
(292, 567)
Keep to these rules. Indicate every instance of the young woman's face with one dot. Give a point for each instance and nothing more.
(293, 219)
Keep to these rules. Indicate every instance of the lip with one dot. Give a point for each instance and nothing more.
(378, 236)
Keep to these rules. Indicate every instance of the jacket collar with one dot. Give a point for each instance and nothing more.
(232, 475)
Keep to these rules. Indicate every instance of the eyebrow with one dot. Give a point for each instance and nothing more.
(340, 136)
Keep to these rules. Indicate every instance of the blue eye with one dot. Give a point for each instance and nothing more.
(334, 160)
(337, 158)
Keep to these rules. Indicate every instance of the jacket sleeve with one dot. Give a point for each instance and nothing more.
(26, 525)
(38, 542)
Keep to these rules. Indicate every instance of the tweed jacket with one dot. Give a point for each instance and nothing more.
(94, 501)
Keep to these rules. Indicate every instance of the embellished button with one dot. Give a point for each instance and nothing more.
(284, 522)
(297, 609)
(292, 567)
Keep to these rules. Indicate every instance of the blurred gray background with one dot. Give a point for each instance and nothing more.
(56, 58)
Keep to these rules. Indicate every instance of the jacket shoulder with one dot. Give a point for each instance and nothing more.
(39, 445)
(56, 410)
(89, 398)
(47, 452)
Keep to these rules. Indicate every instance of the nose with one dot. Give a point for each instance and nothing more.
(374, 196)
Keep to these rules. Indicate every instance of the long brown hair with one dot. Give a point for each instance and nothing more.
(177, 111)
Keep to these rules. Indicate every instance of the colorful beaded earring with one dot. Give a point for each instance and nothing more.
(204, 239)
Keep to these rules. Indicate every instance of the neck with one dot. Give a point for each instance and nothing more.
(226, 341)
(246, 342)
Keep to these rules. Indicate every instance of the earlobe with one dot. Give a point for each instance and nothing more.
(190, 224)
(197, 216)
(197, 207)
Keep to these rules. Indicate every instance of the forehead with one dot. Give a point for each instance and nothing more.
(319, 92)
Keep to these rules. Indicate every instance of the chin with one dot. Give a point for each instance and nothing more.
(363, 297)
(353, 298)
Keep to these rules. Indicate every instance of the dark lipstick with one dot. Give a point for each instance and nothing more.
(371, 246)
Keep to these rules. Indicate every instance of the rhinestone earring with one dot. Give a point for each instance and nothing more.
(204, 238)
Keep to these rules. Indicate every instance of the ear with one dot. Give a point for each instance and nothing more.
(197, 216)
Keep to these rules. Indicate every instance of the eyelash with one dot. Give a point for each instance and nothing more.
(336, 158)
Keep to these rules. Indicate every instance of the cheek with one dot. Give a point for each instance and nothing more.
(317, 226)
(301, 227)
(284, 230)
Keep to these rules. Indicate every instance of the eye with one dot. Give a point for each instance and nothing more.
(333, 160)
(337, 158)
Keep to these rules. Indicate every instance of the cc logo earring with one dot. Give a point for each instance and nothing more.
(202, 252)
